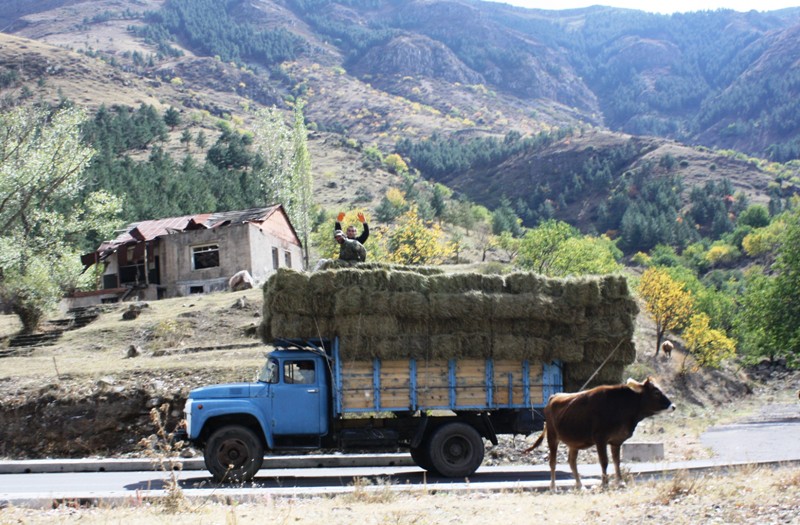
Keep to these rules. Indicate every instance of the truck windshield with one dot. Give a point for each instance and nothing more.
(269, 372)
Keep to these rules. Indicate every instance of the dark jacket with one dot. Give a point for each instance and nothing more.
(364, 232)
(352, 250)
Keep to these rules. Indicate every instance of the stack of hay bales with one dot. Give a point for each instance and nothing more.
(395, 312)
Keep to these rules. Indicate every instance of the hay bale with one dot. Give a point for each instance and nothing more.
(599, 351)
(614, 287)
(524, 283)
(624, 351)
(480, 325)
(533, 306)
(582, 292)
(577, 373)
(295, 326)
(455, 283)
(369, 279)
(507, 346)
(323, 283)
(413, 327)
(521, 327)
(467, 306)
(508, 306)
(564, 349)
(286, 279)
(409, 305)
(387, 348)
(446, 344)
(291, 303)
(492, 284)
(367, 325)
(358, 301)
(407, 281)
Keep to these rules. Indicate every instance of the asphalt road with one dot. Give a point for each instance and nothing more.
(773, 434)
(770, 437)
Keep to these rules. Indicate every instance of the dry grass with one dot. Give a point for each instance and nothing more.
(743, 496)
(9, 325)
(171, 334)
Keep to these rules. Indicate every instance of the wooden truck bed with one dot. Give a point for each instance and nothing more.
(454, 384)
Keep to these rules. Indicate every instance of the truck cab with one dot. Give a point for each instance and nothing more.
(287, 407)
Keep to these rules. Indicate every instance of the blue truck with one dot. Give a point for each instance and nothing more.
(307, 397)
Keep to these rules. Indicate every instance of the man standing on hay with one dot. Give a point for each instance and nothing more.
(350, 250)
(351, 230)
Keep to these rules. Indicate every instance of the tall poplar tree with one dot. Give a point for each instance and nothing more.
(285, 174)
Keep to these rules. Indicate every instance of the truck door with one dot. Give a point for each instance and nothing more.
(298, 403)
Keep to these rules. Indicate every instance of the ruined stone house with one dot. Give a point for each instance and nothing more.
(193, 254)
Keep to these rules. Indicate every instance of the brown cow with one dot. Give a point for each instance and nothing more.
(604, 415)
(667, 348)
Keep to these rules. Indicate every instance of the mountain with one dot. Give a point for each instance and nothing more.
(607, 90)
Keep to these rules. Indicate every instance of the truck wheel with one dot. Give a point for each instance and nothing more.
(456, 450)
(421, 457)
(233, 454)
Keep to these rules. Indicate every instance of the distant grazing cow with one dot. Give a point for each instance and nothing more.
(667, 348)
(604, 415)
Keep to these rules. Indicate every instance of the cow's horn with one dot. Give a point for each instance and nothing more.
(634, 385)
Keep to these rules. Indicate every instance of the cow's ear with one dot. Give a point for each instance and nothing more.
(634, 385)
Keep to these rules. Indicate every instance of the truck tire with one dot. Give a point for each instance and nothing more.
(421, 457)
(233, 454)
(456, 450)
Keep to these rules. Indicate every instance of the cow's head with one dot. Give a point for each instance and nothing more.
(653, 399)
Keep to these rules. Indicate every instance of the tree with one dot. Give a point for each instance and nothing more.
(412, 242)
(754, 318)
(392, 205)
(557, 249)
(755, 215)
(709, 346)
(186, 138)
(539, 246)
(667, 301)
(586, 255)
(302, 203)
(395, 164)
(770, 305)
(172, 117)
(441, 194)
(784, 302)
(285, 171)
(43, 214)
(272, 141)
(510, 245)
(504, 219)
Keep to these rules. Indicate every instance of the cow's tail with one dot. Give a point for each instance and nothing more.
(537, 442)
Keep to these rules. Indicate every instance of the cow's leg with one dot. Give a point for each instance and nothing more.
(552, 446)
(573, 464)
(602, 455)
(615, 457)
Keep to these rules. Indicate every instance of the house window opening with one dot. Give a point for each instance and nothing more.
(287, 257)
(196, 289)
(275, 259)
(205, 257)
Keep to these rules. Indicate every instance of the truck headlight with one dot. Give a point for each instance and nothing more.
(187, 414)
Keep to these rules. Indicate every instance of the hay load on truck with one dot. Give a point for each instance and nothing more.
(390, 358)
